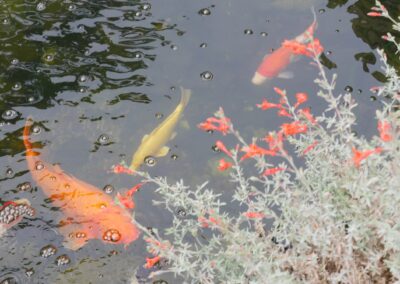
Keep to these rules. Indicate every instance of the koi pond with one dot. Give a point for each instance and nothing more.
(84, 82)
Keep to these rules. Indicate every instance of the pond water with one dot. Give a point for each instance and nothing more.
(96, 76)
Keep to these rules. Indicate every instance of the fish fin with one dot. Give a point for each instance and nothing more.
(145, 137)
(285, 75)
(162, 152)
(70, 230)
(173, 135)
(185, 96)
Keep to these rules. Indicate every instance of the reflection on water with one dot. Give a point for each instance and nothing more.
(96, 76)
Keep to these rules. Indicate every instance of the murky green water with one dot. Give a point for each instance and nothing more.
(98, 75)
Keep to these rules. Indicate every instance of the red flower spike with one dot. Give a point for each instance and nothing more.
(254, 150)
(279, 92)
(120, 169)
(274, 141)
(150, 262)
(293, 128)
(283, 112)
(126, 201)
(307, 114)
(254, 215)
(384, 129)
(374, 14)
(272, 171)
(220, 145)
(267, 105)
(301, 98)
(224, 165)
(309, 148)
(359, 156)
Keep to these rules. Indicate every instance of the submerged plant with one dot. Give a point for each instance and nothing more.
(335, 219)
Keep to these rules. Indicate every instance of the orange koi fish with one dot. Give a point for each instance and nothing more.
(275, 63)
(89, 212)
(12, 212)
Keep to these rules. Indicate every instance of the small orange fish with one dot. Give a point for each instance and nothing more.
(275, 63)
(89, 212)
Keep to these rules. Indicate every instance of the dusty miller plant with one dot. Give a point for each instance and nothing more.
(335, 219)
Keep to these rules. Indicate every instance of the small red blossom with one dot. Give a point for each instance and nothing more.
(359, 156)
(374, 14)
(267, 105)
(218, 124)
(280, 92)
(272, 171)
(308, 115)
(274, 141)
(254, 150)
(283, 112)
(254, 215)
(120, 169)
(301, 98)
(224, 165)
(150, 262)
(126, 201)
(293, 128)
(309, 148)
(203, 221)
(220, 145)
(384, 129)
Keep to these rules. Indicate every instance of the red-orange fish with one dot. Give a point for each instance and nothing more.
(275, 63)
(89, 212)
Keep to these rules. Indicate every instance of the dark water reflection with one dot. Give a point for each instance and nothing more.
(98, 75)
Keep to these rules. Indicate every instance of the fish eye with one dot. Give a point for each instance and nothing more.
(150, 161)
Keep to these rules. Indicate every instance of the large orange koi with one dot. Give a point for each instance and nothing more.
(275, 63)
(89, 212)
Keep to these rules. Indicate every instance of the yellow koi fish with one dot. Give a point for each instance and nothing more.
(153, 144)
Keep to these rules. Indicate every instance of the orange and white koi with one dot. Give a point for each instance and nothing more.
(89, 212)
(276, 62)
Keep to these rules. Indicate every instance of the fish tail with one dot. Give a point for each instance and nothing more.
(185, 96)
(27, 142)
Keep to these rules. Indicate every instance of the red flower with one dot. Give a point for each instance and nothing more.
(374, 14)
(126, 201)
(224, 165)
(222, 147)
(120, 169)
(359, 156)
(301, 98)
(307, 114)
(283, 112)
(384, 129)
(309, 148)
(267, 105)
(254, 150)
(280, 92)
(272, 171)
(274, 141)
(213, 123)
(293, 128)
(254, 215)
(150, 262)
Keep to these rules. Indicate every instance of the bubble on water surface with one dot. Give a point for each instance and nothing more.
(29, 272)
(14, 61)
(328, 52)
(174, 157)
(108, 189)
(138, 55)
(25, 186)
(82, 90)
(103, 139)
(9, 172)
(48, 251)
(138, 14)
(82, 78)
(9, 114)
(159, 115)
(6, 21)
(146, 6)
(9, 280)
(17, 86)
(150, 161)
(372, 98)
(248, 32)
(173, 89)
(215, 148)
(264, 34)
(180, 212)
(112, 235)
(321, 11)
(348, 89)
(62, 260)
(48, 57)
(207, 75)
(36, 129)
(174, 47)
(205, 12)
(203, 45)
(71, 7)
(40, 6)
(39, 166)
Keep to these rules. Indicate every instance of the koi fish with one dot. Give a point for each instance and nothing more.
(153, 144)
(12, 212)
(275, 63)
(89, 212)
